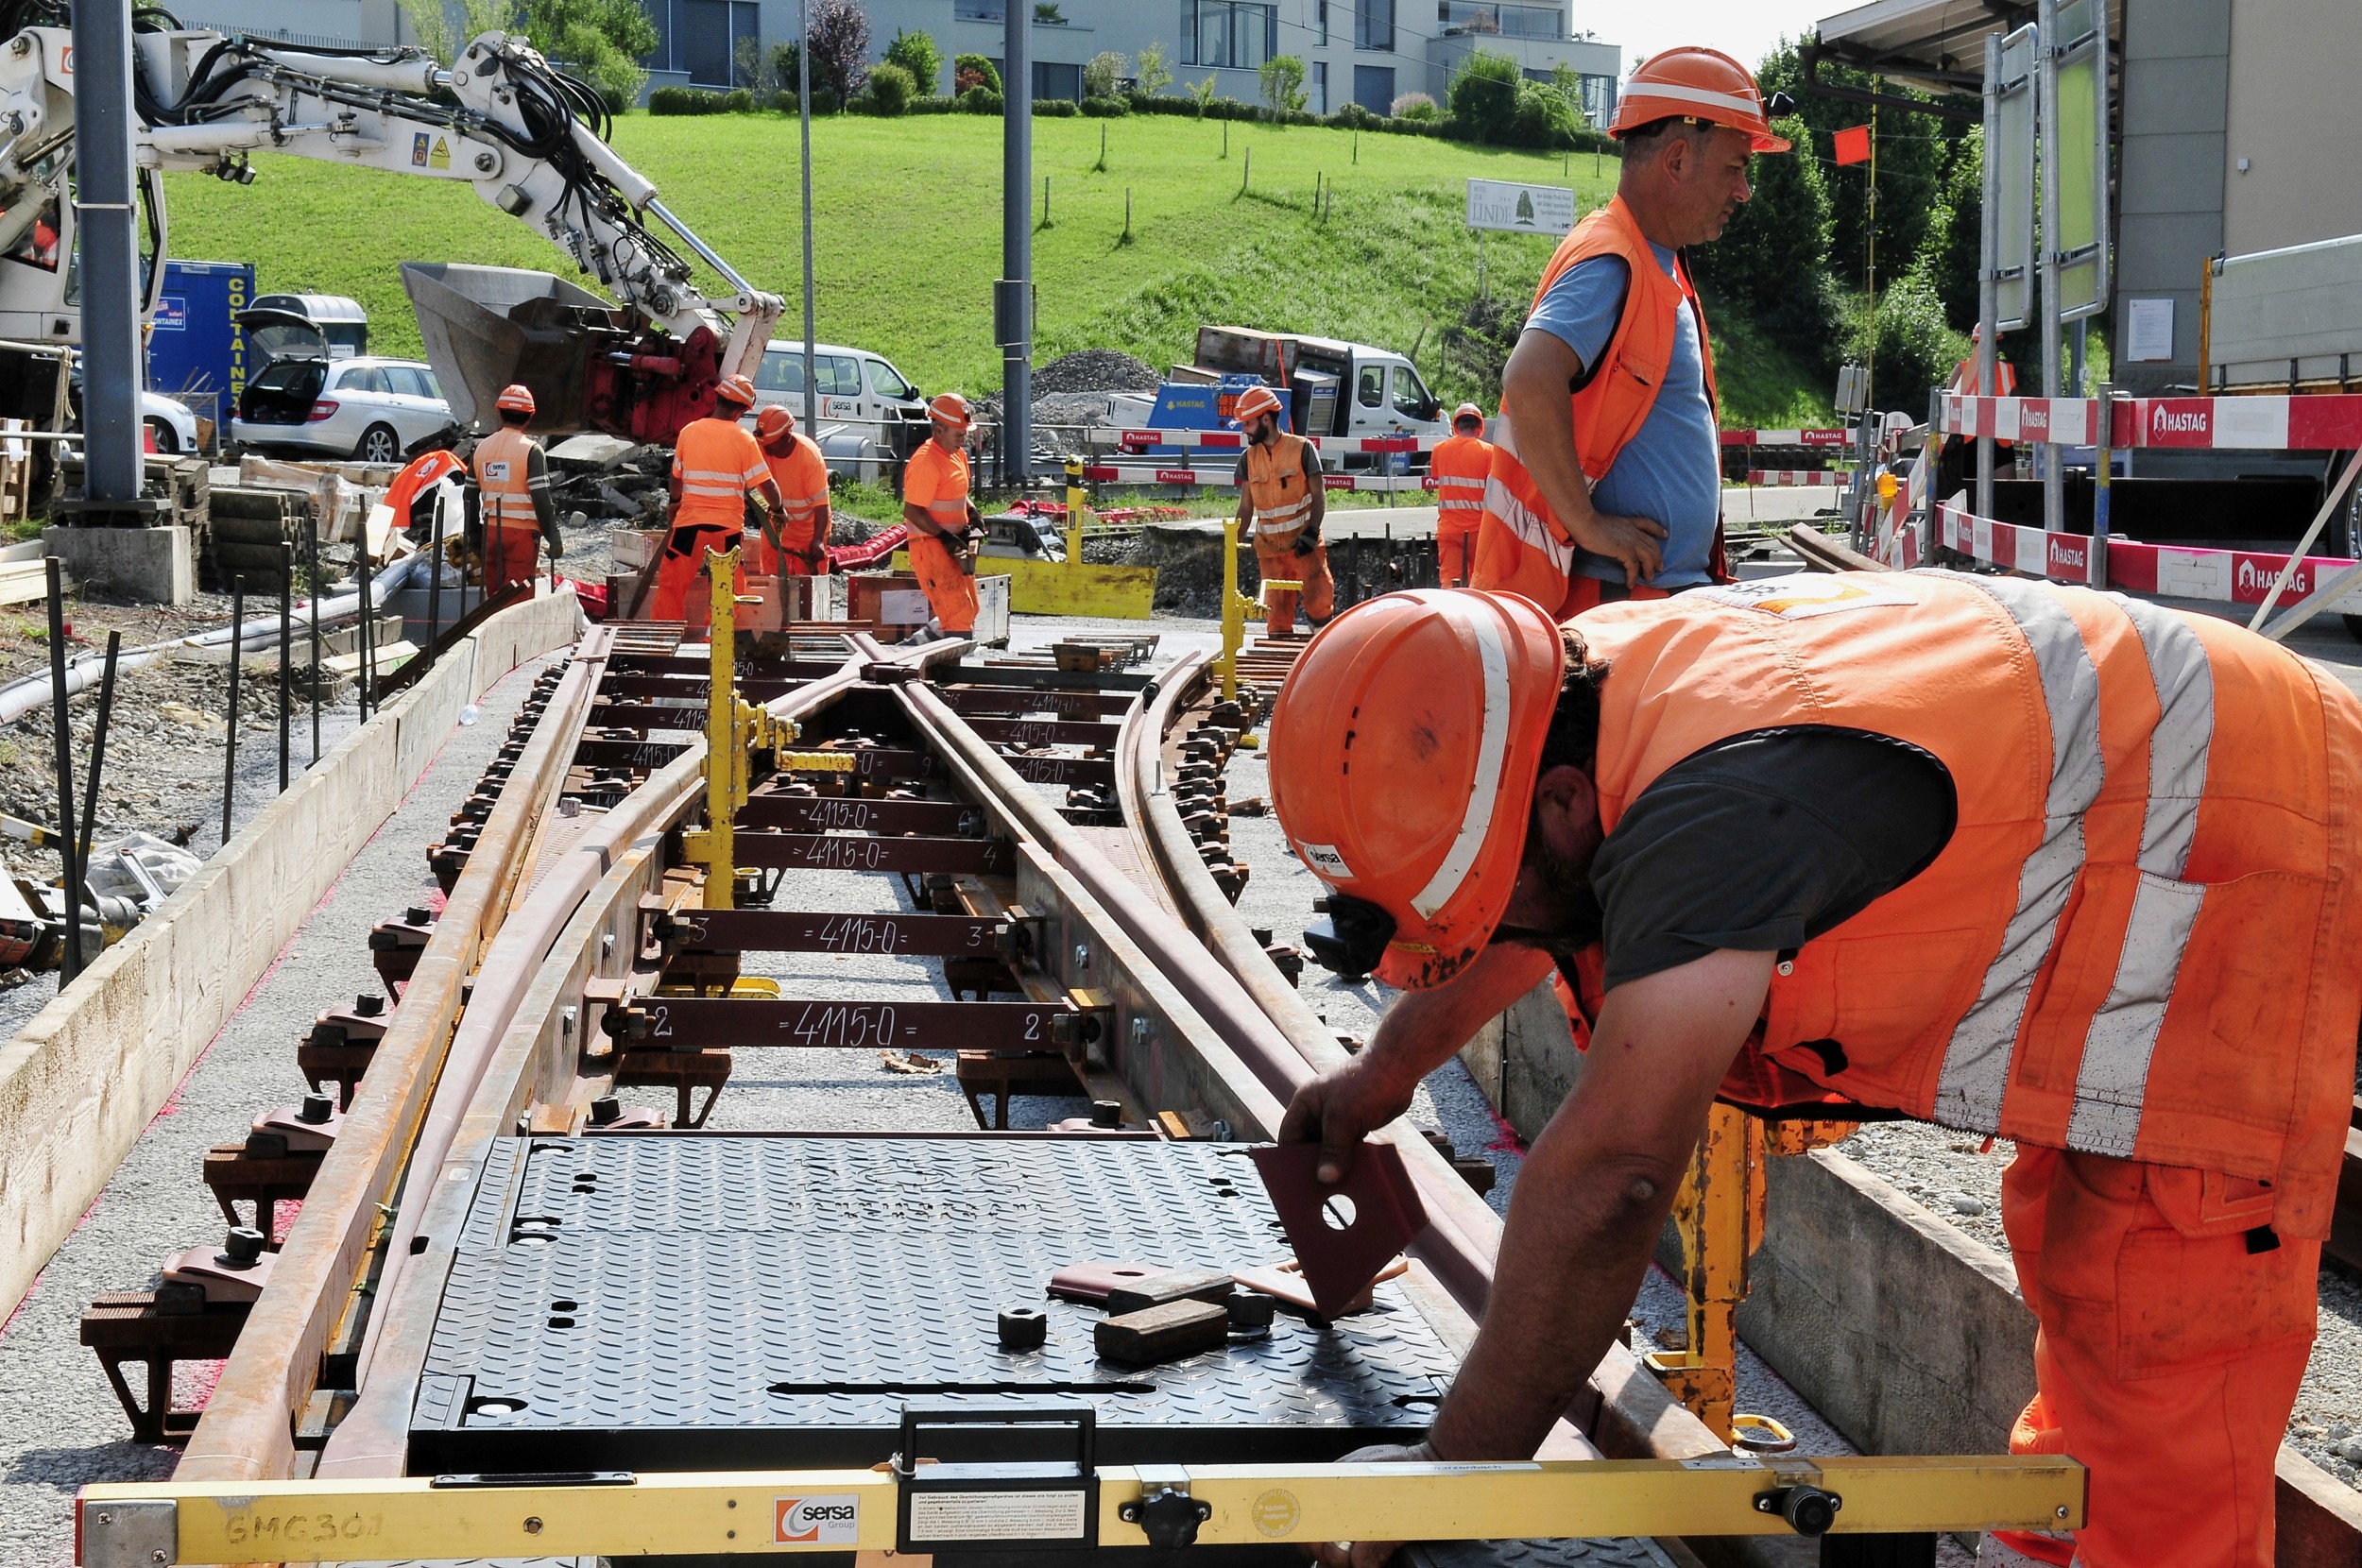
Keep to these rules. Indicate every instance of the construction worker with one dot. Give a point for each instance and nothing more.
(716, 467)
(1964, 378)
(945, 526)
(1618, 490)
(1456, 473)
(513, 512)
(1282, 502)
(798, 541)
(2022, 860)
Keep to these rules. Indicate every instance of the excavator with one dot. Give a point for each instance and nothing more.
(639, 362)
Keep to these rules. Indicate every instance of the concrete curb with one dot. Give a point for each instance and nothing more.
(93, 1067)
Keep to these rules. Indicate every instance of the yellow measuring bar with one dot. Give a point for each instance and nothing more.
(818, 762)
(620, 1514)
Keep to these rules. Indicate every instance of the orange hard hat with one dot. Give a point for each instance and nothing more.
(516, 398)
(735, 389)
(1691, 83)
(774, 422)
(1255, 401)
(1467, 411)
(950, 408)
(1403, 753)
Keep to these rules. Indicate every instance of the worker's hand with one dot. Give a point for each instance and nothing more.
(1342, 1107)
(556, 545)
(1370, 1554)
(1632, 542)
(1306, 544)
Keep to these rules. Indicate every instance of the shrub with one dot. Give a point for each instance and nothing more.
(1914, 349)
(890, 90)
(1414, 105)
(1354, 116)
(1057, 108)
(917, 54)
(686, 100)
(600, 40)
(1103, 72)
(824, 101)
(1483, 96)
(784, 64)
(1105, 109)
(784, 101)
(934, 103)
(980, 100)
(1204, 92)
(739, 100)
(975, 71)
(1154, 75)
(1282, 78)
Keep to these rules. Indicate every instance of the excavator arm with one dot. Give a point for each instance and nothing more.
(503, 119)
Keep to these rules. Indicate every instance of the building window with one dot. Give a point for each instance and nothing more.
(1320, 82)
(1373, 28)
(1374, 90)
(1228, 33)
(1598, 99)
(1320, 25)
(1462, 16)
(1053, 81)
(980, 10)
(713, 43)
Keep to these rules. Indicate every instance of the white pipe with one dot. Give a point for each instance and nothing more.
(20, 697)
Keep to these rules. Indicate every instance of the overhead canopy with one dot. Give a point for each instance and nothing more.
(1935, 44)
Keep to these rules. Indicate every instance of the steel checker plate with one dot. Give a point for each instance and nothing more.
(745, 1300)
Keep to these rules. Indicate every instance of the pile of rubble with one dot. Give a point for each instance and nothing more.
(1072, 393)
(604, 477)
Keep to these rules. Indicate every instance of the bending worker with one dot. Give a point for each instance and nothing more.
(797, 545)
(1282, 501)
(716, 468)
(1618, 488)
(513, 511)
(945, 526)
(2022, 859)
(1456, 472)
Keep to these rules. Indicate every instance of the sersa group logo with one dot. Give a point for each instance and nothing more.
(831, 1520)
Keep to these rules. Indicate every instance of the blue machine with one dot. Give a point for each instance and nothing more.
(195, 345)
(1203, 405)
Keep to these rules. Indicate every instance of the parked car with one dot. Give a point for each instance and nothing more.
(869, 412)
(338, 322)
(369, 410)
(171, 428)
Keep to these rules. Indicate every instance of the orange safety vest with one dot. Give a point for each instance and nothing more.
(504, 482)
(1280, 484)
(1609, 408)
(1457, 474)
(942, 478)
(718, 462)
(802, 477)
(2139, 940)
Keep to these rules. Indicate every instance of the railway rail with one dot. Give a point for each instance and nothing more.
(520, 1313)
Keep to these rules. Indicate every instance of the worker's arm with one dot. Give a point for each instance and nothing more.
(775, 509)
(1319, 488)
(1534, 383)
(823, 530)
(1418, 1034)
(1246, 501)
(544, 502)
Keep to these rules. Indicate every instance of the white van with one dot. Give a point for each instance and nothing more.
(855, 386)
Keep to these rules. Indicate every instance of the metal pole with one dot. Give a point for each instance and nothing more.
(105, 208)
(369, 632)
(1989, 260)
(286, 676)
(237, 657)
(69, 889)
(803, 112)
(2103, 466)
(434, 585)
(2046, 111)
(97, 763)
(311, 586)
(1017, 245)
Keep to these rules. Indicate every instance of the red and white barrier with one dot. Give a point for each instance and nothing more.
(1231, 440)
(1783, 437)
(2170, 572)
(1797, 476)
(1125, 473)
(2332, 422)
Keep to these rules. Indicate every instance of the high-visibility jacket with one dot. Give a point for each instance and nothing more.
(718, 462)
(937, 479)
(802, 477)
(504, 482)
(2138, 940)
(1279, 482)
(2004, 377)
(1457, 473)
(1609, 408)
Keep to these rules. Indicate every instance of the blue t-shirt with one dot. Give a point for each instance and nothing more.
(1670, 472)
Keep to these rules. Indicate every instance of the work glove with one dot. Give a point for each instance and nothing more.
(1306, 544)
(556, 543)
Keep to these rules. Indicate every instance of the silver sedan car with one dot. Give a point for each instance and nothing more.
(367, 409)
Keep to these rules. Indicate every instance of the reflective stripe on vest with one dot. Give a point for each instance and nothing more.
(1458, 472)
(1268, 470)
(1532, 529)
(503, 467)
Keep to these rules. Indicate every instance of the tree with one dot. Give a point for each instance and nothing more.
(1483, 95)
(432, 21)
(839, 41)
(600, 40)
(1102, 73)
(1780, 237)
(970, 71)
(917, 54)
(1153, 76)
(1955, 234)
(1283, 86)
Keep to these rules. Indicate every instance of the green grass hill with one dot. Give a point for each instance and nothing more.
(908, 237)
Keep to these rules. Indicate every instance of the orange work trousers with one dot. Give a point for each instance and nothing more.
(682, 564)
(950, 591)
(1455, 554)
(2174, 1331)
(510, 555)
(1318, 596)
